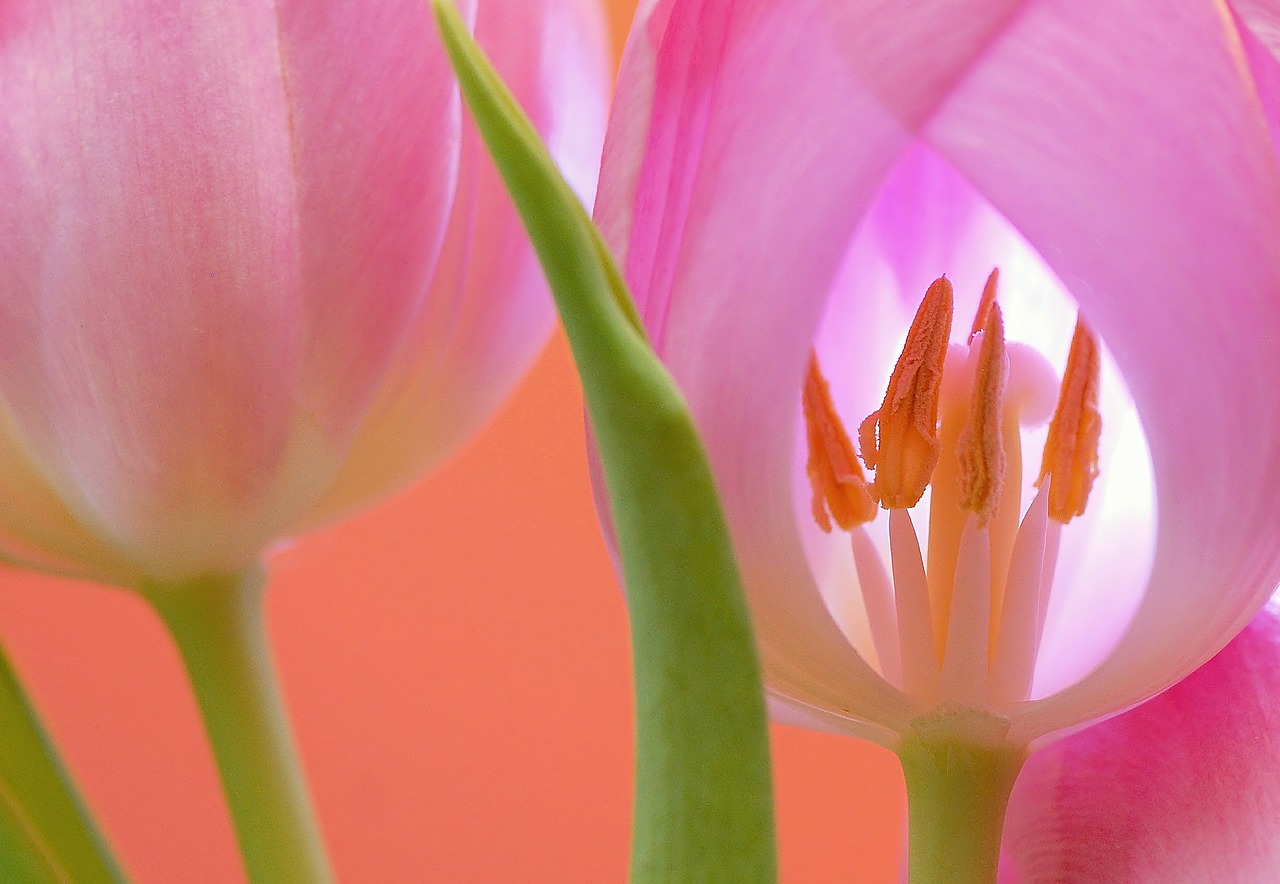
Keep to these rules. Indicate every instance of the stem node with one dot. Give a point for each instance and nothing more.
(957, 791)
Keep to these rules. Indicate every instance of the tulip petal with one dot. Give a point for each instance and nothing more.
(629, 119)
(38, 531)
(487, 312)
(1185, 788)
(1258, 24)
(374, 150)
(149, 241)
(1139, 205)
(1261, 20)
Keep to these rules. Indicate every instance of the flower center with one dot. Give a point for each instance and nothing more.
(967, 628)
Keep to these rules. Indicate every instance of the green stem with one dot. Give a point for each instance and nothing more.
(46, 832)
(219, 627)
(957, 793)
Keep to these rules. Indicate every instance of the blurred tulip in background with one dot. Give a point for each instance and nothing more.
(256, 272)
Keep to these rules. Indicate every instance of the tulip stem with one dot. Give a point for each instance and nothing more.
(957, 793)
(220, 630)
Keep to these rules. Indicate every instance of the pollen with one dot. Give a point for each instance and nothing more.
(1071, 449)
(840, 489)
(900, 439)
(981, 443)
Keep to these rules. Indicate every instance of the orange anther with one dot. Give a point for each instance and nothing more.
(839, 485)
(900, 439)
(981, 443)
(985, 304)
(1071, 449)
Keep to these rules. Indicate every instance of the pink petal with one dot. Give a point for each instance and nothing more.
(928, 220)
(38, 531)
(629, 119)
(1258, 25)
(374, 133)
(1260, 20)
(487, 312)
(1184, 788)
(148, 241)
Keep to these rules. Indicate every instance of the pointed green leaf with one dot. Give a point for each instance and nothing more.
(46, 833)
(703, 792)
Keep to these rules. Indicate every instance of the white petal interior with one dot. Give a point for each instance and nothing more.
(927, 222)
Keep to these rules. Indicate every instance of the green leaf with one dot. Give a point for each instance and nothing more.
(46, 833)
(704, 809)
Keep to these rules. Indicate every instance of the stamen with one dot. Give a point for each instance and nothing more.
(964, 673)
(879, 601)
(839, 485)
(985, 303)
(918, 654)
(900, 439)
(1021, 624)
(1071, 449)
(981, 444)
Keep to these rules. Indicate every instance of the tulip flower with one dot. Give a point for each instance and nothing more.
(246, 301)
(1073, 498)
(1181, 789)
(255, 272)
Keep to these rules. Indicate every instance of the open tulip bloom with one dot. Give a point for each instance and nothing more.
(255, 272)
(973, 511)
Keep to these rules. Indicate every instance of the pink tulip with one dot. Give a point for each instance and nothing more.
(782, 178)
(255, 268)
(1185, 788)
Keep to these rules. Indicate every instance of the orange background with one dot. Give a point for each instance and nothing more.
(456, 663)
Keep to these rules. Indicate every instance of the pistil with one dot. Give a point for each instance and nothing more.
(980, 471)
